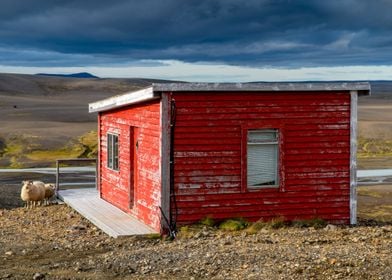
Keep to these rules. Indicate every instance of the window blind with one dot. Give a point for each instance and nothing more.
(262, 158)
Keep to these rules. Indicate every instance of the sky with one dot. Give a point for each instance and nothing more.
(199, 40)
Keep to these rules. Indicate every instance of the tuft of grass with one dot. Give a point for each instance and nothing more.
(208, 221)
(368, 192)
(315, 222)
(15, 162)
(368, 147)
(256, 227)
(17, 151)
(89, 142)
(188, 231)
(52, 155)
(14, 148)
(233, 224)
(185, 231)
(276, 223)
(152, 236)
(2, 147)
(380, 213)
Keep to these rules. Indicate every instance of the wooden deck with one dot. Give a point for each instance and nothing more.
(102, 214)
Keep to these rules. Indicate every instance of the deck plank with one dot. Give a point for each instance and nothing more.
(102, 214)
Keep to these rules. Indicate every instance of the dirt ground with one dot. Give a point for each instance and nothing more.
(54, 242)
(375, 202)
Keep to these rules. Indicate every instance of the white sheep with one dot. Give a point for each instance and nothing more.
(49, 193)
(33, 193)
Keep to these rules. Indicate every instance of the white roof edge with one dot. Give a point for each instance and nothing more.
(125, 99)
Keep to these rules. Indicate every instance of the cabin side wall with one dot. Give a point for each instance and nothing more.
(314, 155)
(135, 187)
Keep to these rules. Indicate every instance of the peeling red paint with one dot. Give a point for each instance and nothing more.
(135, 188)
(315, 153)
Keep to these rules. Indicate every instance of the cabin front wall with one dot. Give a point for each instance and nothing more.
(135, 187)
(314, 155)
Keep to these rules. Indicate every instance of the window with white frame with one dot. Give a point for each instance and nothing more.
(112, 151)
(262, 158)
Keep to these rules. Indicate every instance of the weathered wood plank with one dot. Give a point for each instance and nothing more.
(102, 214)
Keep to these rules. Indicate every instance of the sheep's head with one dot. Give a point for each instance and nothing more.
(27, 182)
(28, 185)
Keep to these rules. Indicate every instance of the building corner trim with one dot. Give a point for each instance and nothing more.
(165, 161)
(353, 156)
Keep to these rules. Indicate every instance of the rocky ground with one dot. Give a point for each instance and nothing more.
(54, 242)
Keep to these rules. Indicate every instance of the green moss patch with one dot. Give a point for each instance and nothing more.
(233, 224)
(26, 151)
(208, 221)
(89, 144)
(256, 227)
(369, 192)
(368, 147)
(52, 155)
(316, 223)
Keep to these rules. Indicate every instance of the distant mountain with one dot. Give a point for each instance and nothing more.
(74, 75)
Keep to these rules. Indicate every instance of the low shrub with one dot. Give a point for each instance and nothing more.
(315, 222)
(208, 221)
(233, 224)
(256, 227)
(275, 223)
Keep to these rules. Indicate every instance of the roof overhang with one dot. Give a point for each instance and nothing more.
(126, 99)
(154, 91)
(362, 88)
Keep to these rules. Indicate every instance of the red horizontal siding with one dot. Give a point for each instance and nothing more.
(315, 154)
(234, 122)
(115, 186)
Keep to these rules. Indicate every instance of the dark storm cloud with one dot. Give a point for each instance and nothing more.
(253, 32)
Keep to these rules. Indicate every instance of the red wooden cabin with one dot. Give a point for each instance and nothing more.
(176, 153)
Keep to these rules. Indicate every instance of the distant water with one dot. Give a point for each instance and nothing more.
(374, 177)
(70, 177)
(374, 173)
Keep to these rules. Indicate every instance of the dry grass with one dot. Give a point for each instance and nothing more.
(371, 147)
(233, 224)
(24, 151)
(375, 202)
(208, 221)
(369, 192)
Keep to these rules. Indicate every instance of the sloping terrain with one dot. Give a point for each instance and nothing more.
(375, 127)
(43, 113)
(46, 117)
(375, 112)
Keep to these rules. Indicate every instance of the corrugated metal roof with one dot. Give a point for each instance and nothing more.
(153, 92)
(363, 87)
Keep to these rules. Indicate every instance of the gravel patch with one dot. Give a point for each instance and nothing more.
(54, 242)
